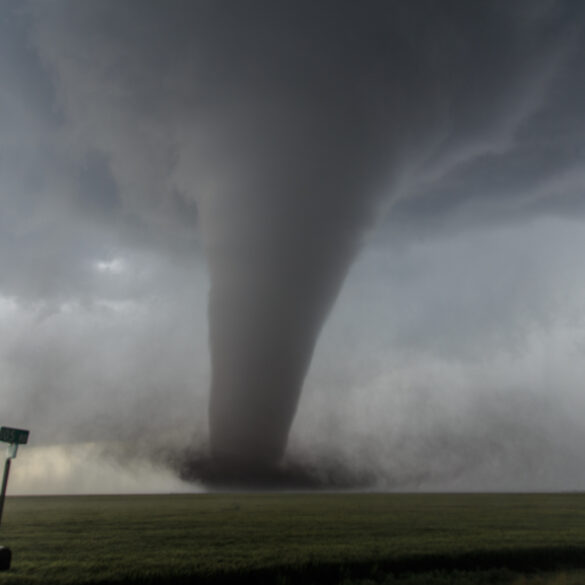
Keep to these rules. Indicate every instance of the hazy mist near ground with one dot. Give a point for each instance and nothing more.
(382, 205)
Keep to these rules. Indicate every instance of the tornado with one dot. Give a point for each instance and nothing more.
(299, 154)
(330, 106)
(295, 153)
(278, 250)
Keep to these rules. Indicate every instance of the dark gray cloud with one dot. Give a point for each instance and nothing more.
(274, 136)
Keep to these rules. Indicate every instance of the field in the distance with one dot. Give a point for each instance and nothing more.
(296, 538)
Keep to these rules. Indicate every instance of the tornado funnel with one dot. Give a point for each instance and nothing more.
(280, 236)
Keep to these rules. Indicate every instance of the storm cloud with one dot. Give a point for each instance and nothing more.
(438, 146)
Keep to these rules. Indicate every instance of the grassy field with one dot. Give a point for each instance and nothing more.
(296, 538)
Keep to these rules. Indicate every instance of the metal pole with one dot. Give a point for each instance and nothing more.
(4, 484)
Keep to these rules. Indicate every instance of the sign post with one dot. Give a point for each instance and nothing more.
(14, 437)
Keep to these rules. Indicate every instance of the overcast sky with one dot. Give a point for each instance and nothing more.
(453, 356)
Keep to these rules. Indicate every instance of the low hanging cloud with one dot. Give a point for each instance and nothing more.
(154, 150)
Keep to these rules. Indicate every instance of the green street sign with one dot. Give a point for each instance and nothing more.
(14, 436)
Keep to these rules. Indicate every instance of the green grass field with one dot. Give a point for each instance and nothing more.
(296, 538)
